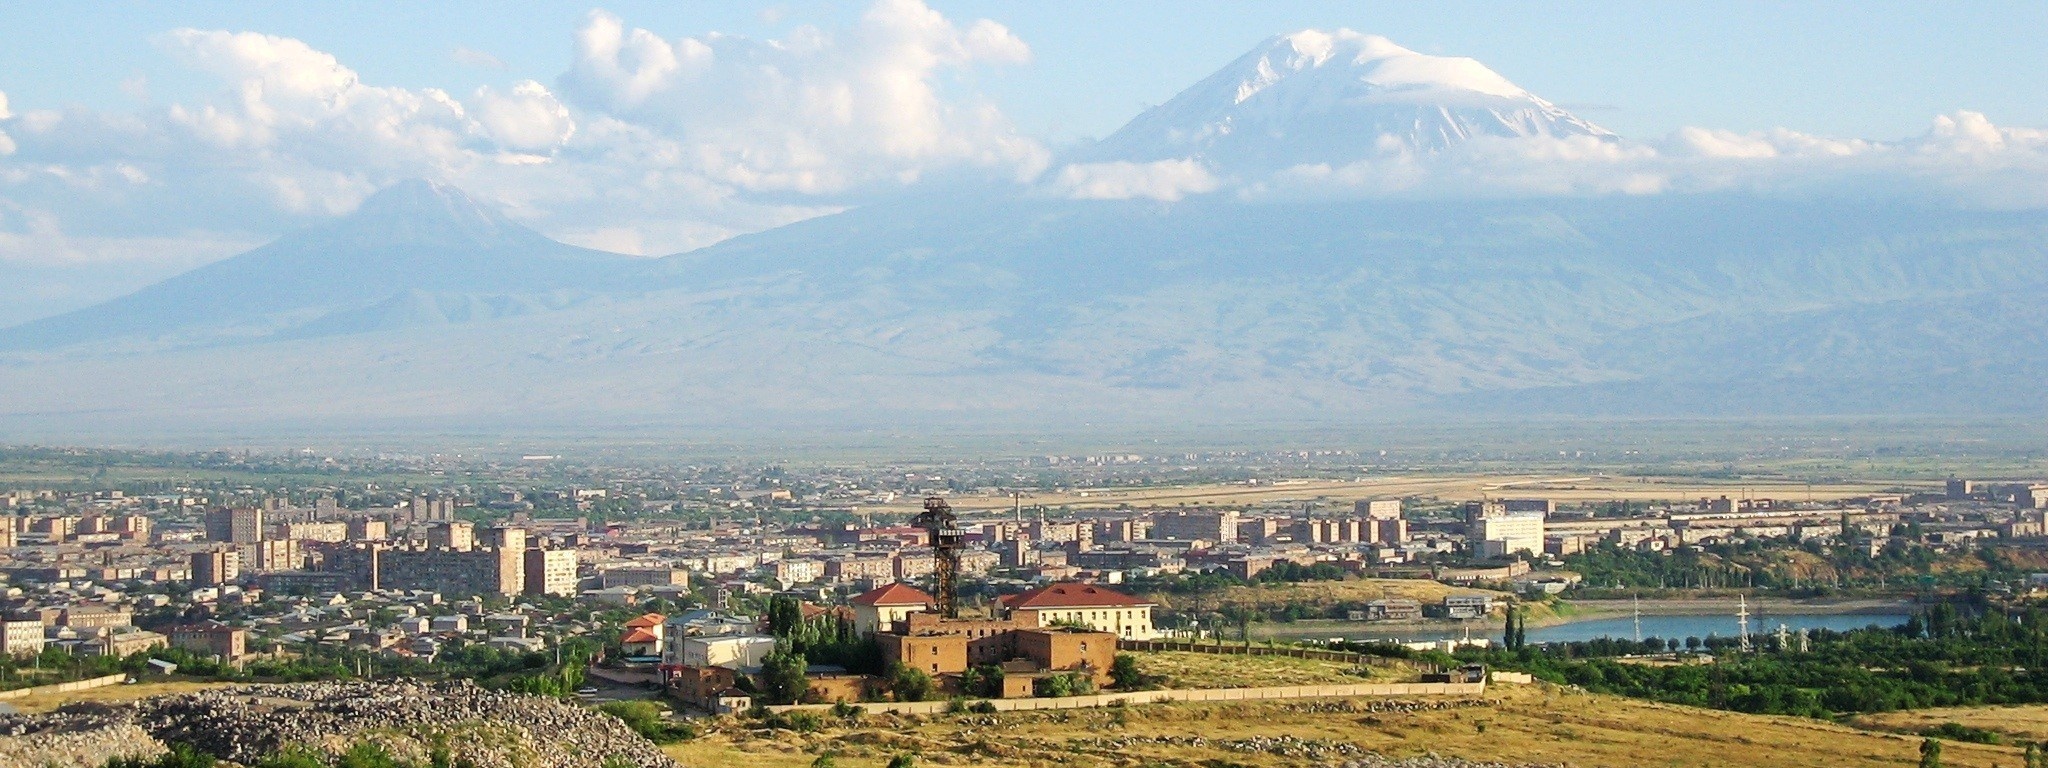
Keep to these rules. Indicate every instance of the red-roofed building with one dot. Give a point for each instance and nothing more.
(644, 635)
(1087, 605)
(881, 608)
(639, 641)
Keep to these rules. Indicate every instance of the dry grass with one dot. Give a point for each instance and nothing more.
(2019, 723)
(1208, 670)
(1514, 724)
(112, 693)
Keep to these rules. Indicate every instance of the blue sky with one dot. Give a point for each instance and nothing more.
(138, 139)
(1863, 69)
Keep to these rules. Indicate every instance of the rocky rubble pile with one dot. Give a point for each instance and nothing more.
(486, 728)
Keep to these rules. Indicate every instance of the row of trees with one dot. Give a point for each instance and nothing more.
(1950, 656)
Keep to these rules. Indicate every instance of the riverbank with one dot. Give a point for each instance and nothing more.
(1565, 613)
(1587, 610)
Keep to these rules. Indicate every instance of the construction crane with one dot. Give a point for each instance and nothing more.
(942, 529)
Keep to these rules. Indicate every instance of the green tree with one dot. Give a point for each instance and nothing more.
(1930, 753)
(782, 677)
(1124, 672)
(910, 684)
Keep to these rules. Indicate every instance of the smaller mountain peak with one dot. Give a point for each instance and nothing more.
(425, 196)
(421, 206)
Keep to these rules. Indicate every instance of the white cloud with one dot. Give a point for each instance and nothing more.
(528, 119)
(476, 59)
(1161, 180)
(6, 144)
(1962, 159)
(818, 112)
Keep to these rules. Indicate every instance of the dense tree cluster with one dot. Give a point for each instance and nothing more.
(1948, 656)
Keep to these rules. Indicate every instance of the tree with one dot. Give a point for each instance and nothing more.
(903, 760)
(910, 684)
(1930, 753)
(2033, 759)
(1124, 672)
(782, 677)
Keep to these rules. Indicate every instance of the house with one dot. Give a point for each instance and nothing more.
(727, 651)
(881, 608)
(640, 642)
(213, 639)
(1082, 605)
(1468, 606)
(645, 635)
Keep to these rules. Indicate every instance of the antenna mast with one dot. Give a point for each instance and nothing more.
(1742, 619)
(942, 530)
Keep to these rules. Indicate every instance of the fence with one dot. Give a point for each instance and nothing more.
(75, 685)
(1242, 649)
(1161, 697)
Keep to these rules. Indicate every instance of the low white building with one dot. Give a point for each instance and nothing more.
(728, 651)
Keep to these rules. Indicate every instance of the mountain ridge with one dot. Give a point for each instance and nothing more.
(991, 304)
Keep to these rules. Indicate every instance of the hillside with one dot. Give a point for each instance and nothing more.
(1514, 726)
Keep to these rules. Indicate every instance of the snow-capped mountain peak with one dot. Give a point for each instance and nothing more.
(1333, 97)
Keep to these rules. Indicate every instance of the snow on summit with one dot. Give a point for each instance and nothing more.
(1332, 98)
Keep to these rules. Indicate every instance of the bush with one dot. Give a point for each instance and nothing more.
(845, 711)
(983, 708)
(292, 758)
(1124, 673)
(1070, 684)
(910, 684)
(904, 760)
(1960, 732)
(956, 705)
(180, 756)
(649, 720)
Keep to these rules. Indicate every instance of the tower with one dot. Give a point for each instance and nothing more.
(942, 529)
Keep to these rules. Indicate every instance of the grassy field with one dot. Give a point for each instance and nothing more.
(111, 694)
(1208, 670)
(1513, 724)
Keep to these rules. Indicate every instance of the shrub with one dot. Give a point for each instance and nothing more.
(910, 684)
(1124, 672)
(1960, 732)
(903, 760)
(180, 756)
(983, 708)
(649, 720)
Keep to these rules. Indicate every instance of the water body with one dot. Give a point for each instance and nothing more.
(1661, 626)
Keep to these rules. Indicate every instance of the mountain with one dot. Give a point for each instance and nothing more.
(415, 252)
(1003, 306)
(1316, 97)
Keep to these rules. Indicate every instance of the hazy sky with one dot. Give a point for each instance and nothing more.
(141, 139)
(1863, 69)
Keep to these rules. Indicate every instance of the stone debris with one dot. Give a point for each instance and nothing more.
(243, 724)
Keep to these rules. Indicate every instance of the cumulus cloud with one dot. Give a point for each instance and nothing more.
(6, 144)
(647, 143)
(1161, 180)
(818, 112)
(1963, 158)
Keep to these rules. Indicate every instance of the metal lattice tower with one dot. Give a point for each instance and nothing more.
(943, 533)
